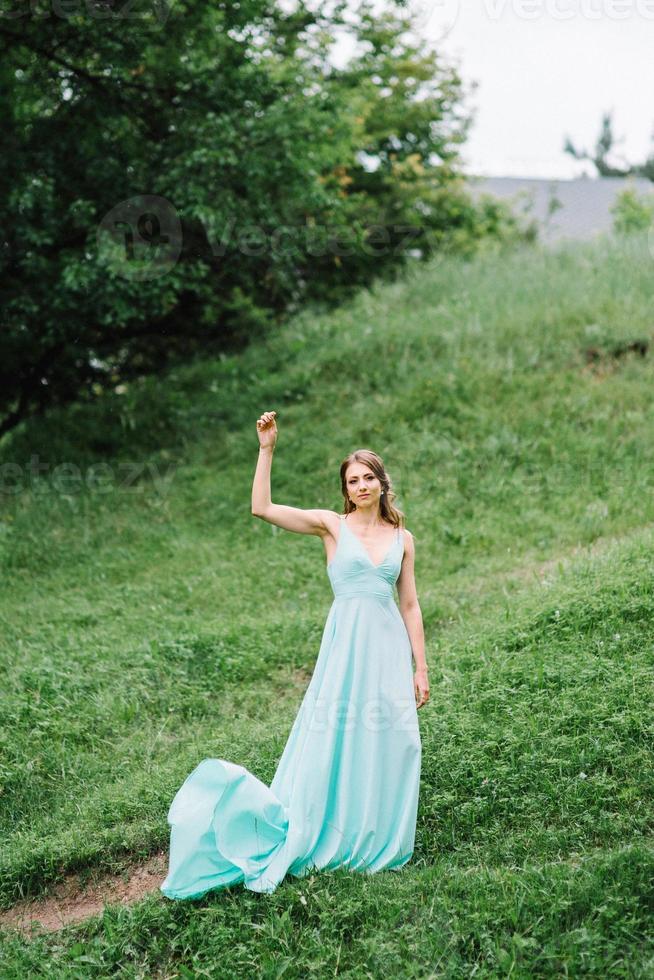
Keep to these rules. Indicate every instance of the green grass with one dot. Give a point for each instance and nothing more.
(146, 627)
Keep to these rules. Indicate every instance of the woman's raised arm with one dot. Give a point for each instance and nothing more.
(290, 518)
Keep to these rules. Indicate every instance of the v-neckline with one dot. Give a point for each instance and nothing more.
(365, 550)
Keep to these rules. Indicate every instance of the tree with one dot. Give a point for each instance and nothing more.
(606, 142)
(174, 176)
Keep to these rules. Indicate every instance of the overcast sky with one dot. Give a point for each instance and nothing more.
(546, 69)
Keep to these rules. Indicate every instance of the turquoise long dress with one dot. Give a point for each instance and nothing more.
(345, 791)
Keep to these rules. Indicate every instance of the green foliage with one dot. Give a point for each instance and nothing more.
(604, 146)
(631, 212)
(176, 178)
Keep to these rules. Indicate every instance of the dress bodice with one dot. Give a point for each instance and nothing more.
(353, 573)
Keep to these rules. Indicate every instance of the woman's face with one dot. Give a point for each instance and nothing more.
(363, 487)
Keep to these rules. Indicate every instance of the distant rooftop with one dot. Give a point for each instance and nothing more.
(585, 201)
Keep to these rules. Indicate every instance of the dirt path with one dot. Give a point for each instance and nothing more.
(70, 901)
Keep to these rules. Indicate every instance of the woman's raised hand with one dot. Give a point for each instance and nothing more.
(267, 430)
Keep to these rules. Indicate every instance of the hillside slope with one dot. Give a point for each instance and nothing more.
(148, 620)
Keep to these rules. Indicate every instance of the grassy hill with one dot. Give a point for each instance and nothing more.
(148, 620)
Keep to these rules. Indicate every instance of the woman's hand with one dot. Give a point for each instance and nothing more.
(421, 687)
(267, 430)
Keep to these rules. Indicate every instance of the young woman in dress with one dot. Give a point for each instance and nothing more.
(345, 791)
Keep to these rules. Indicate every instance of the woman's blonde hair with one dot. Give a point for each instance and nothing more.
(389, 511)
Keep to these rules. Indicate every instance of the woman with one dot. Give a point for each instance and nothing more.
(345, 791)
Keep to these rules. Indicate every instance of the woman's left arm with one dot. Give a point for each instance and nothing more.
(412, 616)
